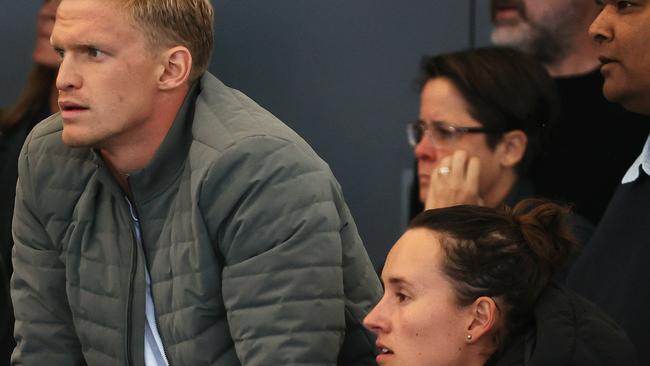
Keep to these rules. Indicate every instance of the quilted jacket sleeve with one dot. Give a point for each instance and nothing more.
(282, 248)
(43, 330)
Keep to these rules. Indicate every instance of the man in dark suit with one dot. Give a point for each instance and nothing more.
(612, 270)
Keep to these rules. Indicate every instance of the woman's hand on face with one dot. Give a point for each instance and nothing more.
(455, 181)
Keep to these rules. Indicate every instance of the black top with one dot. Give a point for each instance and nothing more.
(11, 141)
(590, 149)
(613, 270)
(567, 330)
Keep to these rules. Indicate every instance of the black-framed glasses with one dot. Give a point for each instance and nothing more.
(441, 134)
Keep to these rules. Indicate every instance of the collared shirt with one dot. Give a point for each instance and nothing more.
(643, 162)
(154, 353)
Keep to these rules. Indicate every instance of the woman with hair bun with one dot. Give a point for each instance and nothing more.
(469, 285)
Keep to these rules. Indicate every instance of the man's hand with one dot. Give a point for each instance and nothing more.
(455, 181)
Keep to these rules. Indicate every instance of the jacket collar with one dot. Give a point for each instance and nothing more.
(168, 161)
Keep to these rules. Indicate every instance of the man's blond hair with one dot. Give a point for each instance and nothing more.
(169, 23)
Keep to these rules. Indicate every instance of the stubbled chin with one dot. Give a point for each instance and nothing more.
(71, 140)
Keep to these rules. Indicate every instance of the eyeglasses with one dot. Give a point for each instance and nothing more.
(441, 134)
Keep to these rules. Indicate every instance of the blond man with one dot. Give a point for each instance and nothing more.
(163, 218)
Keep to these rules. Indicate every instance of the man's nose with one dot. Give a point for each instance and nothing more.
(600, 30)
(68, 76)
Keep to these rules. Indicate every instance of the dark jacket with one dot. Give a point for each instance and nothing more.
(591, 131)
(253, 254)
(613, 270)
(568, 331)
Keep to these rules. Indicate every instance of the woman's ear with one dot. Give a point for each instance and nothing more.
(176, 68)
(484, 320)
(512, 148)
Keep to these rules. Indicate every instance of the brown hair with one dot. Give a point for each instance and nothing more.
(509, 255)
(37, 89)
(506, 90)
(168, 23)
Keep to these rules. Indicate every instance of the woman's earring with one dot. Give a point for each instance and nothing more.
(469, 338)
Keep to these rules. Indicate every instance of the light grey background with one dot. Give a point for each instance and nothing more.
(339, 72)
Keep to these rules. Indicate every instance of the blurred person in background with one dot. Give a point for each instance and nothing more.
(570, 168)
(37, 101)
(482, 115)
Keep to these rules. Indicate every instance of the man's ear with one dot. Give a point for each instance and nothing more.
(512, 148)
(176, 68)
(484, 319)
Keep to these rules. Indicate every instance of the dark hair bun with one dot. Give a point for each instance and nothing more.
(544, 227)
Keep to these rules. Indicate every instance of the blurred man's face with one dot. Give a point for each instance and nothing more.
(622, 31)
(539, 27)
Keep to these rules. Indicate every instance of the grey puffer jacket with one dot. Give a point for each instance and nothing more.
(253, 254)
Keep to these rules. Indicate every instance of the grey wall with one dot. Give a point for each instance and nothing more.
(339, 72)
(17, 34)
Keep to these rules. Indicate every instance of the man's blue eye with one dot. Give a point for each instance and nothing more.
(622, 5)
(94, 52)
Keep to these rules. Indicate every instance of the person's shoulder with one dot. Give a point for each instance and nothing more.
(46, 135)
(46, 153)
(227, 121)
(225, 116)
(578, 311)
(581, 326)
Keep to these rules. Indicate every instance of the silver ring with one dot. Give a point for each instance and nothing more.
(444, 170)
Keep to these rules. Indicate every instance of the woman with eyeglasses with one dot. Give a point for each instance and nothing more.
(482, 115)
(469, 285)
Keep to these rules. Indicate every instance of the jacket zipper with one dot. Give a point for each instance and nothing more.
(134, 264)
(134, 217)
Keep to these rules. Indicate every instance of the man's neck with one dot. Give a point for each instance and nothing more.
(582, 59)
(136, 150)
(126, 159)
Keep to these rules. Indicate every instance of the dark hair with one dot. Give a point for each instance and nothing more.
(509, 255)
(505, 89)
(37, 89)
